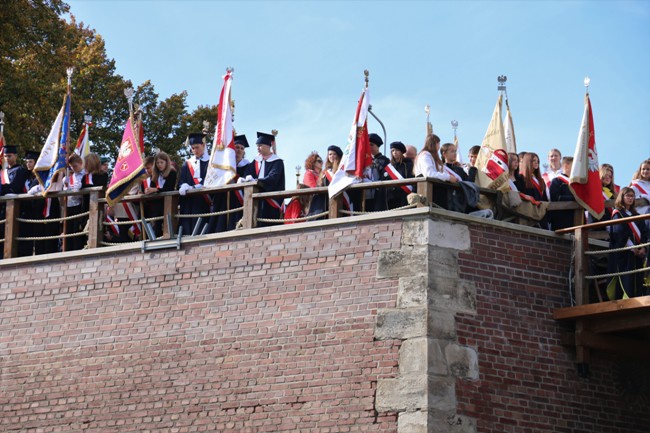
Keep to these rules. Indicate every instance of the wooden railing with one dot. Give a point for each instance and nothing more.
(582, 234)
(424, 187)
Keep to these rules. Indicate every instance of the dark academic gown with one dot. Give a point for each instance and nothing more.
(397, 196)
(559, 190)
(196, 203)
(379, 201)
(17, 175)
(156, 207)
(622, 261)
(26, 248)
(270, 177)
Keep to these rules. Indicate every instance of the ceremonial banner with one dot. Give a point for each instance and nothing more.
(584, 182)
(494, 140)
(129, 168)
(511, 143)
(356, 156)
(52, 159)
(222, 166)
(83, 145)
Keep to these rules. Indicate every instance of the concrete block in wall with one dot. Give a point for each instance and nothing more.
(441, 324)
(415, 232)
(448, 235)
(400, 323)
(412, 291)
(462, 361)
(407, 393)
(412, 422)
(402, 262)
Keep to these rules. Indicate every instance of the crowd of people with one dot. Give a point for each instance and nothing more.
(433, 161)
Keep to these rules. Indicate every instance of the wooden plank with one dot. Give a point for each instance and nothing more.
(638, 319)
(628, 347)
(425, 189)
(250, 207)
(602, 309)
(94, 220)
(170, 206)
(581, 284)
(334, 206)
(11, 228)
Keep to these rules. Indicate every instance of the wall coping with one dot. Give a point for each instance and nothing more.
(235, 234)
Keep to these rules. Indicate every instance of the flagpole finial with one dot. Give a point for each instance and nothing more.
(128, 92)
(274, 132)
(230, 70)
(87, 119)
(2, 121)
(454, 126)
(587, 81)
(206, 126)
(69, 72)
(366, 73)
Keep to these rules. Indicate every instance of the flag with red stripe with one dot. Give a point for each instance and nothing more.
(222, 166)
(584, 182)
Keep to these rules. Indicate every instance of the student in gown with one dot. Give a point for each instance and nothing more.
(627, 234)
(268, 169)
(400, 167)
(559, 191)
(192, 176)
(162, 179)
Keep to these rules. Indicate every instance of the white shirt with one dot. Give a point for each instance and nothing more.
(427, 167)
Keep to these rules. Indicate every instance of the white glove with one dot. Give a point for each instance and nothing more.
(249, 178)
(198, 186)
(241, 180)
(183, 189)
(36, 189)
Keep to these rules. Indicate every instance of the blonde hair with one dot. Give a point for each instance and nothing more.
(92, 163)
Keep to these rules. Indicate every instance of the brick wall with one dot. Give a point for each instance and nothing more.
(279, 332)
(266, 333)
(528, 382)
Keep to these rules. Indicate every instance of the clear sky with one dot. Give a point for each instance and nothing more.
(299, 67)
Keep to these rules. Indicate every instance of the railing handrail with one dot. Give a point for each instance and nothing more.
(600, 224)
(66, 193)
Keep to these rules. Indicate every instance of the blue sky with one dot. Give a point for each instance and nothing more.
(299, 67)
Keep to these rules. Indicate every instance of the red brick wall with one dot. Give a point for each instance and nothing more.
(528, 382)
(258, 334)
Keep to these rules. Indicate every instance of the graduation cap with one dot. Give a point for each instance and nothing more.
(241, 139)
(32, 154)
(399, 146)
(264, 138)
(11, 149)
(196, 138)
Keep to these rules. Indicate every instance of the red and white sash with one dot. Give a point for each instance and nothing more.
(130, 212)
(395, 175)
(636, 184)
(112, 227)
(636, 233)
(538, 187)
(47, 207)
(260, 168)
(563, 178)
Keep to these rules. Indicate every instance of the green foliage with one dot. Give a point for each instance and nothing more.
(36, 47)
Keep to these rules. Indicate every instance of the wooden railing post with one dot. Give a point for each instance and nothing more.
(94, 220)
(581, 284)
(170, 208)
(11, 228)
(250, 207)
(335, 205)
(425, 189)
